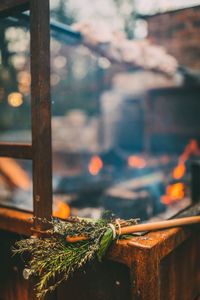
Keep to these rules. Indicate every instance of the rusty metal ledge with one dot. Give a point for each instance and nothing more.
(15, 221)
(160, 242)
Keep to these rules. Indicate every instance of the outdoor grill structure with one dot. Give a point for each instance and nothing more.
(172, 118)
(158, 266)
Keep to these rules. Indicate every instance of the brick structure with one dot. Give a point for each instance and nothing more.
(179, 32)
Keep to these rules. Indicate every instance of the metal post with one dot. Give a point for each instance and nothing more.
(41, 110)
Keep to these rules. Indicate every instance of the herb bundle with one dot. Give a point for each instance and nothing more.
(70, 245)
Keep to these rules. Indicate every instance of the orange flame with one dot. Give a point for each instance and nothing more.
(179, 171)
(95, 165)
(174, 192)
(61, 209)
(191, 149)
(135, 161)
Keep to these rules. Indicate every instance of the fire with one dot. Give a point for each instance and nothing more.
(179, 171)
(95, 165)
(191, 149)
(174, 192)
(61, 209)
(135, 161)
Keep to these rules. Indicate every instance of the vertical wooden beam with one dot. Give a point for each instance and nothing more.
(41, 109)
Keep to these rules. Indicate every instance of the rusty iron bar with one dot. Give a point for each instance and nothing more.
(41, 110)
(16, 150)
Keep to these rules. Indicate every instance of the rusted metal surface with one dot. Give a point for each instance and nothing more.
(23, 151)
(161, 241)
(12, 284)
(180, 272)
(15, 221)
(146, 257)
(106, 281)
(41, 108)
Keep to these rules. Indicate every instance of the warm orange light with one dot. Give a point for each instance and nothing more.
(16, 175)
(24, 79)
(174, 192)
(192, 148)
(135, 161)
(95, 165)
(15, 99)
(62, 210)
(179, 171)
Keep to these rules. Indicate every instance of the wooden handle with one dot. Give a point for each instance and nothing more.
(160, 225)
(145, 227)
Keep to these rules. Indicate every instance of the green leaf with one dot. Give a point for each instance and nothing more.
(105, 243)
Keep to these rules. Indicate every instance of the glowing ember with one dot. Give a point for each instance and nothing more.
(174, 192)
(95, 165)
(61, 210)
(135, 161)
(191, 149)
(179, 171)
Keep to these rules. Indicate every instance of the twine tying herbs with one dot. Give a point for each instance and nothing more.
(113, 230)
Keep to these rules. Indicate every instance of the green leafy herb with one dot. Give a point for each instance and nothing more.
(54, 260)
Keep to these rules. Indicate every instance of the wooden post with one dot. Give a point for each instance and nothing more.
(41, 110)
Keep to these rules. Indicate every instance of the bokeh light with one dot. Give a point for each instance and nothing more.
(15, 99)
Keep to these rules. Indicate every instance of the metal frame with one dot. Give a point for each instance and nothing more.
(40, 151)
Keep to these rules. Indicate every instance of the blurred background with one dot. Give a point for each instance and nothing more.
(123, 137)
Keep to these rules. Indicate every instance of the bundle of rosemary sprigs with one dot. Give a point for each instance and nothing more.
(71, 244)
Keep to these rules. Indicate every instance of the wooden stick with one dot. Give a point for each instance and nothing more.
(146, 227)
(160, 225)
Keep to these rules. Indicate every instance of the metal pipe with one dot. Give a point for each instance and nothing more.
(59, 30)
